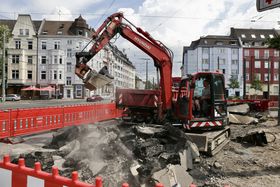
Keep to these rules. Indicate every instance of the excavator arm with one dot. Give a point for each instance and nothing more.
(113, 25)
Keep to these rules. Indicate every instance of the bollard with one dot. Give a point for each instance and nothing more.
(192, 185)
(98, 182)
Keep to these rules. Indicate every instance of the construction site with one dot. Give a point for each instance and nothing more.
(185, 132)
(147, 154)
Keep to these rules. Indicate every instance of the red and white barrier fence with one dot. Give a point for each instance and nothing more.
(18, 122)
(13, 175)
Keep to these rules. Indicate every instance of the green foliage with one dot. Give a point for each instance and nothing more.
(4, 28)
(274, 43)
(256, 84)
(233, 83)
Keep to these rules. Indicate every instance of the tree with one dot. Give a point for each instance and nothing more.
(233, 83)
(256, 84)
(4, 28)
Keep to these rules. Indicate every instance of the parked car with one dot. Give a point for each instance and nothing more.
(13, 97)
(94, 98)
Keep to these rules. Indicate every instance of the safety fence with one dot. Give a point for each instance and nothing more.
(13, 175)
(16, 122)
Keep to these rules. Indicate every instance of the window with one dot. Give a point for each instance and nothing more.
(275, 90)
(205, 70)
(257, 64)
(276, 53)
(222, 50)
(15, 74)
(30, 44)
(69, 52)
(219, 43)
(224, 71)
(43, 60)
(246, 52)
(266, 53)
(266, 64)
(247, 77)
(29, 59)
(80, 32)
(43, 75)
(21, 32)
(18, 44)
(55, 59)
(234, 71)
(276, 65)
(222, 61)
(60, 60)
(44, 45)
(55, 74)
(271, 36)
(234, 51)
(15, 59)
(266, 77)
(68, 81)
(29, 75)
(276, 77)
(247, 63)
(27, 32)
(60, 75)
(257, 54)
(69, 42)
(262, 36)
(258, 76)
(57, 45)
(253, 35)
(234, 62)
(79, 91)
(243, 36)
(205, 61)
(69, 67)
(68, 93)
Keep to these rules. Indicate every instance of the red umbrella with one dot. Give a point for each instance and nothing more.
(32, 88)
(49, 88)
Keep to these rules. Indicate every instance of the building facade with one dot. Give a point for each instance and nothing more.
(215, 53)
(261, 62)
(42, 53)
(21, 53)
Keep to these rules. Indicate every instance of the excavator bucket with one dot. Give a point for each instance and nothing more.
(96, 80)
(93, 79)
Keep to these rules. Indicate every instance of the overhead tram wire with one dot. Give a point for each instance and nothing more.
(113, 1)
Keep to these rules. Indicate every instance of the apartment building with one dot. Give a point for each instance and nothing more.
(42, 53)
(21, 52)
(215, 53)
(261, 62)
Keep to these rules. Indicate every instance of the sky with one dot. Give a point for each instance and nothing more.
(176, 23)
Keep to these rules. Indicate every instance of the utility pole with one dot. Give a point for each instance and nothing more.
(4, 69)
(278, 95)
(244, 78)
(268, 79)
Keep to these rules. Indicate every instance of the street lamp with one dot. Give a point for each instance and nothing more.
(3, 69)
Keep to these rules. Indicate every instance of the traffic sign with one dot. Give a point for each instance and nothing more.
(263, 5)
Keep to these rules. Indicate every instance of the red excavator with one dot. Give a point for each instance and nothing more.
(197, 103)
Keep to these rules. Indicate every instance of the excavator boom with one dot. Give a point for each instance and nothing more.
(113, 25)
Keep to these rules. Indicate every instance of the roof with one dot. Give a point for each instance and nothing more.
(52, 27)
(11, 23)
(214, 40)
(253, 34)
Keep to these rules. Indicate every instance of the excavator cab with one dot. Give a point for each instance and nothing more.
(201, 102)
